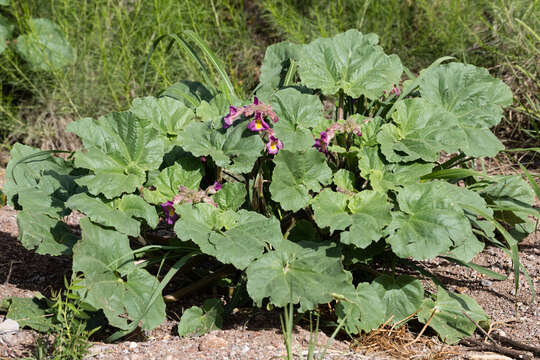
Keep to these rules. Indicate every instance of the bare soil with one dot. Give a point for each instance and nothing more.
(255, 334)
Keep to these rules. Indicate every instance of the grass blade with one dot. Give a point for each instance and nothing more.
(214, 60)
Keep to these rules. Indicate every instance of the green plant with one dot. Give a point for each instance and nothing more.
(64, 316)
(300, 202)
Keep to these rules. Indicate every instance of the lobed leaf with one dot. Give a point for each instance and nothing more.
(111, 280)
(363, 309)
(197, 321)
(306, 273)
(401, 295)
(473, 98)
(448, 318)
(298, 114)
(235, 238)
(120, 149)
(235, 149)
(297, 173)
(350, 61)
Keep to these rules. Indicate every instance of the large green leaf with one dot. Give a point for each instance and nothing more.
(232, 237)
(276, 63)
(370, 214)
(473, 98)
(306, 273)
(123, 149)
(47, 235)
(235, 149)
(231, 196)
(298, 114)
(330, 210)
(167, 115)
(186, 172)
(197, 321)
(351, 62)
(344, 180)
(421, 131)
(430, 222)
(45, 47)
(383, 176)
(401, 295)
(105, 214)
(111, 280)
(363, 308)
(448, 319)
(297, 173)
(31, 312)
(26, 168)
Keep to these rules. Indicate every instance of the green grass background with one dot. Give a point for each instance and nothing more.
(113, 37)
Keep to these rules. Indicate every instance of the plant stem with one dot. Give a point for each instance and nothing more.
(221, 273)
(340, 108)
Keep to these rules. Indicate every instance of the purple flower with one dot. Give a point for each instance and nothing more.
(395, 90)
(256, 101)
(212, 189)
(170, 214)
(234, 113)
(203, 159)
(273, 145)
(258, 124)
(322, 143)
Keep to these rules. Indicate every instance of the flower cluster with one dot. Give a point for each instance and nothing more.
(323, 142)
(186, 195)
(258, 110)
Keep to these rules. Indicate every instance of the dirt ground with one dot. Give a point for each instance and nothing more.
(251, 334)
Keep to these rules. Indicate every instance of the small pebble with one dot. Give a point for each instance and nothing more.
(486, 282)
(132, 345)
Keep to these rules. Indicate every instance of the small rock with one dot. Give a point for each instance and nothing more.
(132, 345)
(486, 282)
(212, 342)
(169, 357)
(245, 349)
(8, 332)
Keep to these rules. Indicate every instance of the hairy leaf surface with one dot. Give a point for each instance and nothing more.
(351, 62)
(125, 148)
(295, 174)
(232, 237)
(306, 273)
(298, 114)
(448, 320)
